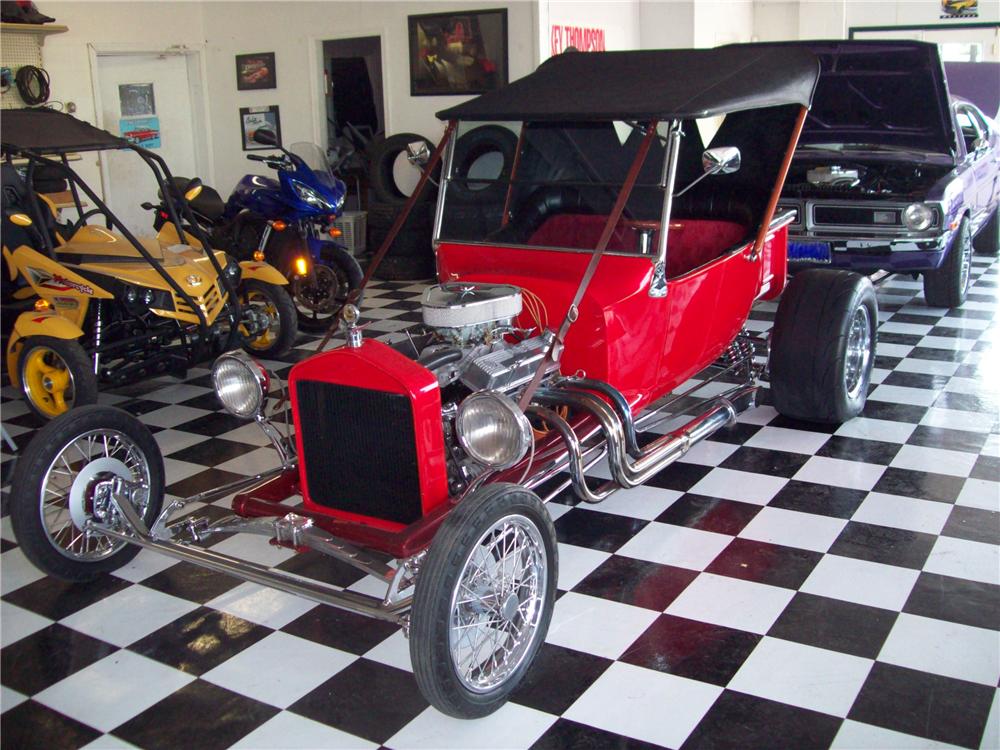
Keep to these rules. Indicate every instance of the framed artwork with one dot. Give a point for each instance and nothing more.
(256, 71)
(253, 118)
(459, 52)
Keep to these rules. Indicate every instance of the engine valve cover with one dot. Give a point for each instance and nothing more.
(457, 304)
(836, 176)
(507, 368)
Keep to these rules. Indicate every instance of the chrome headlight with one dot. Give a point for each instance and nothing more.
(492, 429)
(310, 196)
(918, 216)
(240, 383)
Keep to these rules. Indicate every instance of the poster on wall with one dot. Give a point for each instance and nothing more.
(579, 38)
(256, 71)
(461, 52)
(959, 8)
(254, 118)
(141, 131)
(136, 99)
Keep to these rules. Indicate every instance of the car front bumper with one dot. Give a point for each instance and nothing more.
(895, 254)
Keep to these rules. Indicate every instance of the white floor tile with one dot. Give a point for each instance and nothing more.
(113, 690)
(144, 565)
(17, 623)
(854, 735)
(731, 602)
(761, 415)
(249, 433)
(861, 582)
(709, 453)
(946, 342)
(992, 446)
(927, 367)
(934, 460)
(794, 529)
(175, 470)
(644, 704)
(640, 502)
(964, 324)
(171, 416)
(293, 732)
(253, 462)
(16, 571)
(264, 606)
(971, 386)
(576, 563)
(945, 648)
(901, 394)
(961, 558)
(991, 737)
(279, 669)
(512, 726)
(597, 626)
(254, 548)
(668, 544)
(903, 513)
(10, 698)
(782, 439)
(876, 429)
(980, 493)
(739, 485)
(882, 349)
(128, 615)
(175, 440)
(109, 742)
(959, 420)
(805, 676)
(854, 475)
(393, 651)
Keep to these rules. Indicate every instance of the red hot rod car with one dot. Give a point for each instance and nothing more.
(617, 256)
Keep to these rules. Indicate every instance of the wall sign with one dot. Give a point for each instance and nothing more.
(141, 131)
(136, 99)
(580, 38)
(959, 8)
(253, 118)
(256, 71)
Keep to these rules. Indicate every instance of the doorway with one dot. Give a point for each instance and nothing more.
(153, 98)
(354, 94)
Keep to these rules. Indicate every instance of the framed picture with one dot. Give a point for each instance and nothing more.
(256, 71)
(460, 52)
(253, 118)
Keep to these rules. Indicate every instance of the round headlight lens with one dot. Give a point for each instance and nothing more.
(492, 429)
(240, 384)
(917, 217)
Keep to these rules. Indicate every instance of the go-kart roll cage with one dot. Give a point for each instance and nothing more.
(163, 178)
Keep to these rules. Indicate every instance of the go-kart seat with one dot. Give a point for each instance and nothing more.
(208, 203)
(15, 199)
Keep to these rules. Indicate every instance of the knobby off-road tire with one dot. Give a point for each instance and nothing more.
(948, 285)
(823, 346)
(278, 305)
(55, 375)
(52, 490)
(491, 571)
(987, 242)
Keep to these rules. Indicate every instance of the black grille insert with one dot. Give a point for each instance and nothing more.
(360, 451)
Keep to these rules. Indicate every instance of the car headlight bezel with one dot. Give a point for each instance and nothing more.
(241, 384)
(918, 217)
(492, 429)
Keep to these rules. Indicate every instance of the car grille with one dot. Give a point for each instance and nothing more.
(856, 216)
(210, 303)
(359, 450)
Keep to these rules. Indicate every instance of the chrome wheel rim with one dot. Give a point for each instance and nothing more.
(47, 382)
(966, 263)
(263, 304)
(322, 297)
(858, 351)
(497, 603)
(74, 491)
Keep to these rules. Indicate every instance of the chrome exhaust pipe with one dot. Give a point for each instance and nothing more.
(577, 469)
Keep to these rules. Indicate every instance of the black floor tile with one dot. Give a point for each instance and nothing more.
(32, 725)
(200, 640)
(765, 461)
(798, 424)
(967, 402)
(320, 567)
(761, 562)
(919, 484)
(955, 599)
(689, 648)
(884, 544)
(736, 434)
(680, 476)
(739, 721)
(940, 437)
(822, 499)
(47, 656)
(212, 424)
(208, 479)
(709, 514)
(893, 412)
(192, 582)
(345, 701)
(340, 629)
(855, 449)
(938, 355)
(58, 599)
(924, 705)
(596, 530)
(216, 717)
(213, 451)
(636, 582)
(834, 624)
(974, 524)
(916, 379)
(557, 677)
(565, 734)
(986, 467)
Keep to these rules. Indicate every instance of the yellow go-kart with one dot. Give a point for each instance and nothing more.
(110, 307)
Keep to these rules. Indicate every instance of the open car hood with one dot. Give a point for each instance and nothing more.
(881, 92)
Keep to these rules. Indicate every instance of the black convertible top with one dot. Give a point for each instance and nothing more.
(650, 84)
(47, 131)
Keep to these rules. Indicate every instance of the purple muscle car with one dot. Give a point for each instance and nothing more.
(890, 174)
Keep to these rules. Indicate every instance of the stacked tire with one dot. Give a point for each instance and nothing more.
(411, 255)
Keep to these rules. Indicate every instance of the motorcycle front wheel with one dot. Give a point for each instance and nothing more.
(320, 295)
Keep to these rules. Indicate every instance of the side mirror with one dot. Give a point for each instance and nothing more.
(980, 144)
(265, 137)
(722, 160)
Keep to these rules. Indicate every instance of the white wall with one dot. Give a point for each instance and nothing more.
(912, 13)
(722, 22)
(775, 20)
(619, 19)
(666, 24)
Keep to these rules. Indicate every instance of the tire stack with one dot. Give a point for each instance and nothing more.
(411, 255)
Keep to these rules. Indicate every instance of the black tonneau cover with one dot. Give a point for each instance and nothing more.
(47, 131)
(650, 84)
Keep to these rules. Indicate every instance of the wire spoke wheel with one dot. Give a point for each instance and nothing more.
(497, 603)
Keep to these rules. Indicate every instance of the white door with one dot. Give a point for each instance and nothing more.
(969, 44)
(140, 84)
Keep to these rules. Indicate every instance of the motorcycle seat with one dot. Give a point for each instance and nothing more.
(208, 203)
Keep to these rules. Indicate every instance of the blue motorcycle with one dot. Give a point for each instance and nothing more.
(289, 220)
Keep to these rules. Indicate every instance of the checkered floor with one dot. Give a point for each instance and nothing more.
(783, 586)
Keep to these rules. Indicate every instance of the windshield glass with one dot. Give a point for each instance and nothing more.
(312, 155)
